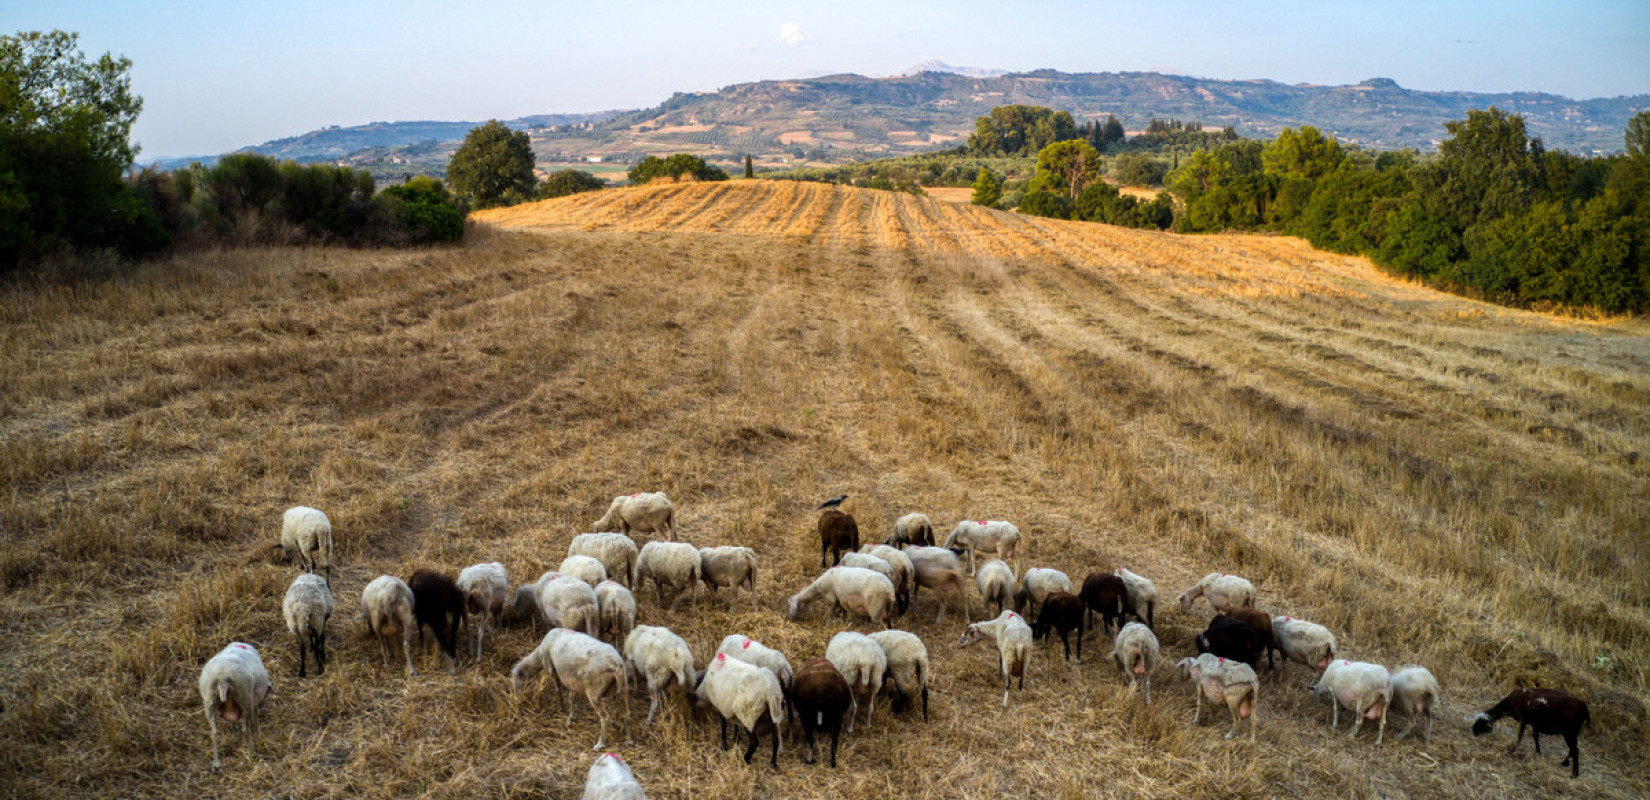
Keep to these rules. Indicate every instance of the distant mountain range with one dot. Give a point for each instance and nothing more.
(838, 117)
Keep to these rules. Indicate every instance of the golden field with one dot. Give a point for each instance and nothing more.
(1437, 480)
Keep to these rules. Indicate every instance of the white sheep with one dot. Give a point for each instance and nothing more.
(647, 512)
(1137, 654)
(912, 529)
(307, 532)
(568, 602)
(611, 779)
(1223, 680)
(985, 536)
(728, 567)
(583, 664)
(863, 664)
(747, 694)
(1364, 688)
(995, 579)
(616, 607)
(905, 573)
(853, 589)
(661, 659)
(616, 551)
(584, 568)
(1415, 695)
(1225, 592)
(872, 563)
(1014, 646)
(668, 564)
(307, 607)
(939, 569)
(387, 610)
(1035, 587)
(1303, 642)
(485, 588)
(750, 651)
(907, 666)
(235, 686)
(1142, 596)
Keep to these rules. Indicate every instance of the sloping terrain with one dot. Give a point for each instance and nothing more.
(1437, 480)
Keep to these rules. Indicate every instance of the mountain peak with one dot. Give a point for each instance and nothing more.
(935, 65)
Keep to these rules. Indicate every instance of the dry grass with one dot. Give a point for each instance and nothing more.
(1438, 480)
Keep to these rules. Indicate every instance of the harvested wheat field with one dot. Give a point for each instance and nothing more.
(1437, 480)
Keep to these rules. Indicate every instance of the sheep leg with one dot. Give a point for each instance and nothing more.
(1232, 703)
(925, 702)
(836, 733)
(1335, 714)
(321, 653)
(1513, 748)
(624, 702)
(406, 645)
(653, 704)
(808, 736)
(853, 709)
(724, 733)
(1358, 709)
(601, 714)
(1429, 728)
(1148, 690)
(212, 720)
(1380, 730)
(1574, 758)
(871, 707)
(1197, 713)
(300, 639)
(1537, 733)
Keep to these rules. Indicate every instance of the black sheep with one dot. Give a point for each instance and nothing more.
(438, 605)
(1230, 639)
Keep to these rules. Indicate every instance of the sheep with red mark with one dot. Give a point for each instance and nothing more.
(1014, 646)
(616, 551)
(672, 566)
(643, 512)
(1224, 681)
(1136, 653)
(905, 573)
(1415, 695)
(1224, 592)
(611, 779)
(821, 697)
(1035, 587)
(912, 529)
(1104, 594)
(662, 660)
(750, 651)
(907, 667)
(838, 533)
(1062, 613)
(1303, 642)
(1142, 596)
(874, 564)
(1363, 688)
(985, 536)
(387, 611)
(1554, 712)
(747, 694)
(939, 569)
(583, 664)
(728, 567)
(855, 590)
(235, 688)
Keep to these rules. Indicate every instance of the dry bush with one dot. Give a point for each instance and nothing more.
(1439, 481)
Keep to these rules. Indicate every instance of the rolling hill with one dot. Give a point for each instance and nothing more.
(1439, 481)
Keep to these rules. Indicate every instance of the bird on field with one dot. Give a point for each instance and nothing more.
(832, 503)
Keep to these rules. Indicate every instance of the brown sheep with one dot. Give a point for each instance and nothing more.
(838, 533)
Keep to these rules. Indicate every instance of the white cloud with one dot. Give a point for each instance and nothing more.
(791, 33)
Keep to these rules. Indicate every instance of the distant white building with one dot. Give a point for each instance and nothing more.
(593, 159)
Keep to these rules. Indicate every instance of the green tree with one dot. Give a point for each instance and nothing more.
(568, 181)
(493, 167)
(1019, 130)
(423, 208)
(988, 189)
(65, 125)
(1490, 168)
(1138, 169)
(1070, 166)
(1637, 136)
(1305, 153)
(750, 166)
(675, 167)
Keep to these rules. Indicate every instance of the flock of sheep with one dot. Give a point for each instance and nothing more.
(595, 648)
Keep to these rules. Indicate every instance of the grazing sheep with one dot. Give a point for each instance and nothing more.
(1229, 638)
(1036, 585)
(912, 529)
(748, 694)
(1107, 594)
(1062, 612)
(524, 607)
(1224, 681)
(583, 664)
(439, 606)
(569, 603)
(663, 661)
(672, 565)
(611, 779)
(485, 588)
(750, 651)
(853, 589)
(1364, 688)
(616, 610)
(995, 579)
(905, 573)
(838, 533)
(1136, 652)
(307, 607)
(1549, 711)
(939, 569)
(647, 512)
(986, 536)
(585, 568)
(308, 533)
(1223, 591)
(728, 566)
(1142, 596)
(235, 687)
(872, 563)
(863, 664)
(387, 610)
(1014, 646)
(821, 696)
(1303, 642)
(1260, 624)
(907, 667)
(616, 551)
(1415, 695)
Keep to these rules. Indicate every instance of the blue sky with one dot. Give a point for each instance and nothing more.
(219, 75)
